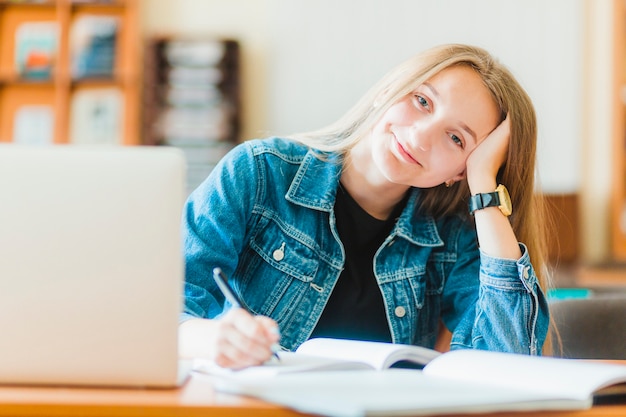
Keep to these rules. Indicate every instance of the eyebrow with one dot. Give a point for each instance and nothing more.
(463, 125)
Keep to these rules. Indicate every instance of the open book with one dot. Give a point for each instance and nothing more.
(332, 354)
(459, 381)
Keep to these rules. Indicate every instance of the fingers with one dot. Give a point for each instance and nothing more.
(271, 328)
(486, 159)
(244, 340)
(501, 136)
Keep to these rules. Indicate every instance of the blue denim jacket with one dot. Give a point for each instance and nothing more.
(265, 216)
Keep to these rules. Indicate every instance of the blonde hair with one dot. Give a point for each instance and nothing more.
(529, 219)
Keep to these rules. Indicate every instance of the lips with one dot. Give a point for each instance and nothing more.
(404, 154)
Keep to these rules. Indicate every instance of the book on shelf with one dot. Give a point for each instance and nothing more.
(93, 46)
(355, 378)
(193, 96)
(194, 52)
(33, 125)
(195, 76)
(96, 116)
(36, 46)
(194, 125)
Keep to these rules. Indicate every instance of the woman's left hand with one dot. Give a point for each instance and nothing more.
(485, 161)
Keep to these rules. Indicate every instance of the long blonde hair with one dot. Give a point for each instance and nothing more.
(529, 219)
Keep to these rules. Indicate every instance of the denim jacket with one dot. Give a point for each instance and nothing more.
(265, 216)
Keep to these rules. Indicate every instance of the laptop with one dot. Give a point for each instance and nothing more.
(91, 266)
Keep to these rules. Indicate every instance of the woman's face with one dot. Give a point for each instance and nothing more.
(425, 138)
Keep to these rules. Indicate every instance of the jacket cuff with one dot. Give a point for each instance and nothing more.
(511, 273)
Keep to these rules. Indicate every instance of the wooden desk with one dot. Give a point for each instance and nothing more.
(195, 399)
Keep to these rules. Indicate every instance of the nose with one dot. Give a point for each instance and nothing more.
(423, 136)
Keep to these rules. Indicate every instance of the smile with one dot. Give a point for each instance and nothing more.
(404, 154)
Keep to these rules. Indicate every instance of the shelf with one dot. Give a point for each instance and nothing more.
(28, 4)
(41, 40)
(191, 99)
(14, 79)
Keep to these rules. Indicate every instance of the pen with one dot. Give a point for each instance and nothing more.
(222, 282)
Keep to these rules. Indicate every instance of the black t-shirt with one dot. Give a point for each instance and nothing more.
(355, 309)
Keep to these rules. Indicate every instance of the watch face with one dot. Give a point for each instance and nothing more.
(505, 200)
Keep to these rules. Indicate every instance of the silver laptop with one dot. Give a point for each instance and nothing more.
(90, 265)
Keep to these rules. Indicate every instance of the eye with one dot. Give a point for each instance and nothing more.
(421, 101)
(457, 140)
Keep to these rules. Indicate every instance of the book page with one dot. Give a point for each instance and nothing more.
(289, 363)
(379, 355)
(564, 378)
(394, 392)
(323, 354)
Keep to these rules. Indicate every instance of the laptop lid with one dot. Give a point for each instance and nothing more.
(91, 265)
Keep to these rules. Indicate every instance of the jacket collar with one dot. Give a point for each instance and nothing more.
(417, 228)
(307, 188)
(309, 191)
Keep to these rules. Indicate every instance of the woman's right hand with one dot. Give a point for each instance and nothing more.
(236, 340)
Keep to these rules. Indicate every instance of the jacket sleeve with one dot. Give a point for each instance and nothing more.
(214, 228)
(502, 307)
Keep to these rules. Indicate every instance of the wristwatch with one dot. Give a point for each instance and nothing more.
(499, 198)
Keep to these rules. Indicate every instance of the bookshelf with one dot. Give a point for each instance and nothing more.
(191, 99)
(42, 88)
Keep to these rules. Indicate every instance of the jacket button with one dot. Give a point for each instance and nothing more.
(400, 312)
(279, 254)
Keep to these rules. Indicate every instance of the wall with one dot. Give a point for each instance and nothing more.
(305, 62)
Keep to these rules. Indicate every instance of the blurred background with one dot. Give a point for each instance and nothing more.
(204, 75)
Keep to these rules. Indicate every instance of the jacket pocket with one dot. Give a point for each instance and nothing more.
(281, 267)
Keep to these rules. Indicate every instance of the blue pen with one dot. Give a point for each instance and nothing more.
(222, 282)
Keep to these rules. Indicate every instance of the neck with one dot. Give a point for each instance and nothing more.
(372, 191)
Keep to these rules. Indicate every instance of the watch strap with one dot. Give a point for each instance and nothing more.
(483, 200)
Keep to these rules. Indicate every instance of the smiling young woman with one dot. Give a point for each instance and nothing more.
(371, 220)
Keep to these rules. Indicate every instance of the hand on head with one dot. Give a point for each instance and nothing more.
(485, 161)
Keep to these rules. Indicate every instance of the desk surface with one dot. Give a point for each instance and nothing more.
(195, 398)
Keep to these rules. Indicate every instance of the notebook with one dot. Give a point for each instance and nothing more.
(91, 265)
